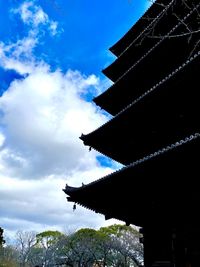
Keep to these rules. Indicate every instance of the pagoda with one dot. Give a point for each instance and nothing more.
(154, 133)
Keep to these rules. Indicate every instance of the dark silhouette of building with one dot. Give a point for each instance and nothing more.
(154, 132)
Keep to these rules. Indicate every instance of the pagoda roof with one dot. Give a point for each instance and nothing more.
(161, 185)
(153, 13)
(152, 66)
(151, 36)
(155, 129)
(165, 112)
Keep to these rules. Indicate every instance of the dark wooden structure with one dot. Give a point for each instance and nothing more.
(154, 132)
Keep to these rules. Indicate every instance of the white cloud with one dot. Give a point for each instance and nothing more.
(34, 16)
(53, 27)
(41, 118)
(41, 204)
(18, 56)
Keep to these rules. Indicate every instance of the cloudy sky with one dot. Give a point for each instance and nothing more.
(51, 57)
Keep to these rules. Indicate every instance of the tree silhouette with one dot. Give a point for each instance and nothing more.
(2, 241)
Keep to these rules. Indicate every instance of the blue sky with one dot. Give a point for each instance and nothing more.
(51, 57)
(86, 30)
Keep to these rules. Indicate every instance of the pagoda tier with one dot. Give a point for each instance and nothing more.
(151, 67)
(166, 112)
(170, 18)
(146, 190)
(142, 25)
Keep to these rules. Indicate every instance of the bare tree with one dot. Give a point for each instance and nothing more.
(25, 241)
